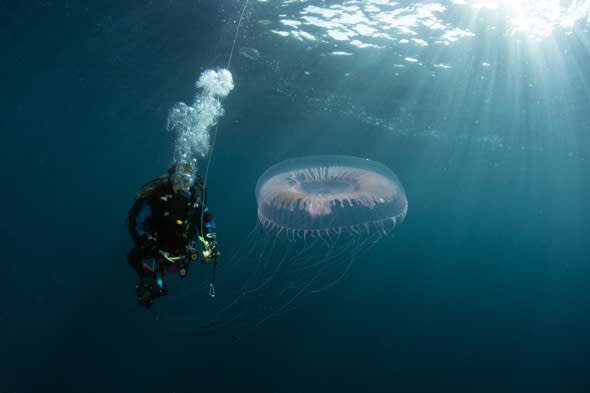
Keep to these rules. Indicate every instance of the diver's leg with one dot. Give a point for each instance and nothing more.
(145, 289)
(134, 258)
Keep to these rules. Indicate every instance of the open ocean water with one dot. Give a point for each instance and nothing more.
(480, 109)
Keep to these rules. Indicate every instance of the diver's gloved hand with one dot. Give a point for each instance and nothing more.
(210, 251)
(210, 248)
(213, 250)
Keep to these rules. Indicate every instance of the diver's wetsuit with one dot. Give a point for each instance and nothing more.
(162, 222)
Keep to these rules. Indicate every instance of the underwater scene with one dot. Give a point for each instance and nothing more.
(296, 196)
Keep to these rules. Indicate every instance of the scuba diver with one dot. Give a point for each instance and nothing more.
(170, 223)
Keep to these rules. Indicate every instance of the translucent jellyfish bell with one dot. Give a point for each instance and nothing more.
(320, 195)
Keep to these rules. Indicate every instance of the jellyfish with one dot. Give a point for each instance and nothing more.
(325, 196)
(316, 215)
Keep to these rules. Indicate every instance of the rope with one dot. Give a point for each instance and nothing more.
(212, 148)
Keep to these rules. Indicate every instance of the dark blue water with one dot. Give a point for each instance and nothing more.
(483, 288)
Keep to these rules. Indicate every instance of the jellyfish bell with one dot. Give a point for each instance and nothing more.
(322, 195)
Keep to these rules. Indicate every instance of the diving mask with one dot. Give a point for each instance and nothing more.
(181, 181)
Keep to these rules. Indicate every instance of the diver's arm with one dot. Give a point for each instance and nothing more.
(141, 226)
(209, 236)
(209, 227)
